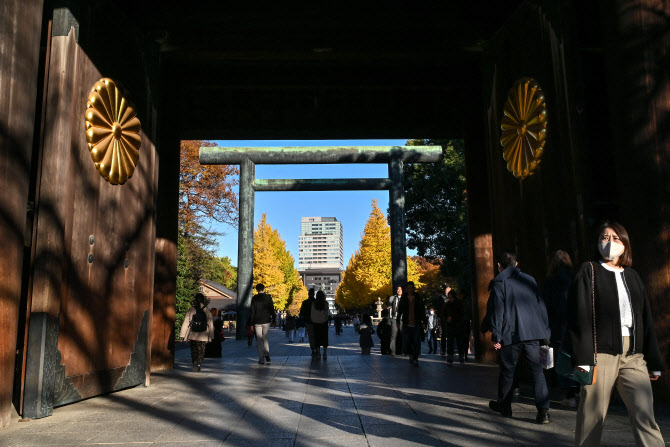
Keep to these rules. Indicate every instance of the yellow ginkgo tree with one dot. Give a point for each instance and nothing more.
(368, 274)
(274, 266)
(267, 268)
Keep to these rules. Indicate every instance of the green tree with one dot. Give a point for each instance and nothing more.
(368, 274)
(193, 255)
(436, 209)
(221, 270)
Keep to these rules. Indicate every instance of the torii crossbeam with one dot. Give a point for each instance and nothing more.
(249, 157)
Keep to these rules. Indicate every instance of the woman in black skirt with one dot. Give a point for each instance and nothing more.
(320, 321)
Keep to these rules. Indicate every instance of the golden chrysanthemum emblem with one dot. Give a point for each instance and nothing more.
(524, 127)
(112, 132)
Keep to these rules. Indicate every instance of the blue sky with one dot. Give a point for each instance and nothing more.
(285, 209)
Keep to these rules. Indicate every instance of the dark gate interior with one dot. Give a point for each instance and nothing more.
(238, 71)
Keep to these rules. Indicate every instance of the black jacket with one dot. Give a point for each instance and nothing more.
(393, 302)
(518, 312)
(555, 295)
(455, 310)
(306, 310)
(441, 301)
(384, 329)
(608, 318)
(262, 309)
(419, 311)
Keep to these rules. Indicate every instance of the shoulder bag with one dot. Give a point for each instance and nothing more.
(564, 365)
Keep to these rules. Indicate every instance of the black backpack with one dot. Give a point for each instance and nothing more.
(199, 320)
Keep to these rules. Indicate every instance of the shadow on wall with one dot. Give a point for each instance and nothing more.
(640, 63)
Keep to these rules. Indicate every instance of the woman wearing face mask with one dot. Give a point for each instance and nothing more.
(627, 349)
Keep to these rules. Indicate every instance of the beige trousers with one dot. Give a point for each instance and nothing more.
(629, 373)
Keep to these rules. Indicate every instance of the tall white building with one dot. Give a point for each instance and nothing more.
(320, 244)
(321, 255)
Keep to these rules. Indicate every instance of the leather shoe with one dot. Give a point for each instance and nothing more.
(498, 408)
(542, 417)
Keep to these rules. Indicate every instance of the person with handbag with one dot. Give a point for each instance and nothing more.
(612, 327)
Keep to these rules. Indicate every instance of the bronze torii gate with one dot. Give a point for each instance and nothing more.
(249, 157)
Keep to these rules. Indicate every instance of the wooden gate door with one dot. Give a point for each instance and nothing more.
(93, 254)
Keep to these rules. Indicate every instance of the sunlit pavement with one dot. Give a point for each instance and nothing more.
(345, 400)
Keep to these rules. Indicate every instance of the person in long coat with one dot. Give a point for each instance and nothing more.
(319, 316)
(197, 340)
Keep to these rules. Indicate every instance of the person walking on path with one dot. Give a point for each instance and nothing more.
(412, 315)
(213, 349)
(338, 324)
(384, 333)
(319, 315)
(262, 313)
(392, 307)
(518, 321)
(454, 315)
(300, 328)
(555, 295)
(357, 323)
(305, 312)
(431, 331)
(626, 349)
(290, 327)
(198, 329)
(442, 300)
(250, 334)
(467, 324)
(365, 332)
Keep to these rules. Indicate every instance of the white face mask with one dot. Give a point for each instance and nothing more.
(610, 250)
(432, 312)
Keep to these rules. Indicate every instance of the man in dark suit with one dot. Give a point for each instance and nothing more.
(392, 307)
(412, 315)
(441, 301)
(517, 322)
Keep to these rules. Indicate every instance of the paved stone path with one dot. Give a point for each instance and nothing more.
(347, 400)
